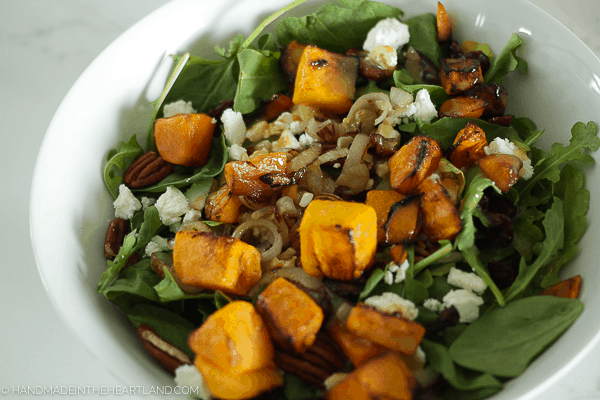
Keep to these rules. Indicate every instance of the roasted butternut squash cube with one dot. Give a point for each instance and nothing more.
(234, 339)
(290, 58)
(390, 331)
(292, 317)
(205, 260)
(242, 386)
(404, 221)
(338, 239)
(494, 94)
(568, 289)
(358, 349)
(244, 177)
(222, 206)
(458, 75)
(463, 107)
(349, 389)
(444, 28)
(502, 169)
(326, 80)
(440, 217)
(468, 146)
(414, 162)
(278, 104)
(382, 201)
(398, 253)
(184, 139)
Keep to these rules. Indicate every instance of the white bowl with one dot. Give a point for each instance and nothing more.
(70, 208)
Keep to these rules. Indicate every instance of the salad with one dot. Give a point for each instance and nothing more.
(325, 213)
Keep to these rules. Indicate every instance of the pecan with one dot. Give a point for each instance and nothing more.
(147, 170)
(114, 238)
(316, 364)
(167, 355)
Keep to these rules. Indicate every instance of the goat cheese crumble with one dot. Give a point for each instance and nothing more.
(433, 305)
(466, 280)
(396, 273)
(388, 32)
(234, 127)
(171, 205)
(178, 107)
(189, 376)
(237, 152)
(157, 243)
(466, 303)
(424, 107)
(391, 303)
(126, 203)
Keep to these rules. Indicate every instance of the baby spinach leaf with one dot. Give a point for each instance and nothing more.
(505, 340)
(198, 189)
(423, 36)
(441, 362)
(118, 160)
(138, 279)
(169, 326)
(554, 228)
(184, 176)
(507, 61)
(328, 27)
(583, 138)
(168, 290)
(437, 93)
(149, 228)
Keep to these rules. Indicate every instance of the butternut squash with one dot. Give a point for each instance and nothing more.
(444, 28)
(468, 146)
(290, 58)
(382, 201)
(414, 162)
(222, 206)
(358, 349)
(338, 239)
(494, 94)
(292, 317)
(184, 139)
(502, 169)
(205, 260)
(244, 177)
(278, 104)
(440, 217)
(463, 107)
(326, 80)
(458, 75)
(404, 222)
(569, 288)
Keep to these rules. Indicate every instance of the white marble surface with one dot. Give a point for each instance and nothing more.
(44, 47)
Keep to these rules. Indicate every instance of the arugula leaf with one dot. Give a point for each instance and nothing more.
(168, 290)
(184, 176)
(423, 36)
(554, 228)
(443, 254)
(376, 277)
(507, 61)
(505, 340)
(118, 160)
(526, 233)
(138, 280)
(470, 256)
(441, 362)
(328, 27)
(149, 228)
(115, 267)
(583, 138)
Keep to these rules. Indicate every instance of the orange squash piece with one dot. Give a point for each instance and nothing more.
(326, 80)
(184, 139)
(244, 177)
(382, 201)
(414, 162)
(398, 253)
(358, 349)
(404, 222)
(234, 353)
(205, 260)
(290, 58)
(440, 217)
(468, 146)
(349, 389)
(463, 107)
(494, 94)
(444, 29)
(568, 289)
(292, 317)
(222, 206)
(458, 75)
(338, 239)
(390, 331)
(278, 104)
(502, 169)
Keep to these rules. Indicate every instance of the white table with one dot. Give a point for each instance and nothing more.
(44, 47)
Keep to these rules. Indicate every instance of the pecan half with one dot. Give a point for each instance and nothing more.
(114, 238)
(147, 170)
(169, 356)
(316, 364)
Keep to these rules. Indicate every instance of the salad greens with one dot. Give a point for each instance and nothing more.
(474, 359)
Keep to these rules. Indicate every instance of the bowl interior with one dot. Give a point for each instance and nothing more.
(70, 209)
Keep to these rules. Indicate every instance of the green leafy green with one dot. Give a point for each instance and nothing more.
(471, 257)
(328, 28)
(437, 93)
(138, 279)
(507, 61)
(423, 36)
(168, 290)
(376, 277)
(118, 160)
(296, 389)
(505, 340)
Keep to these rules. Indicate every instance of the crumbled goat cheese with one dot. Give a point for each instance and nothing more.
(466, 280)
(286, 141)
(238, 153)
(391, 303)
(234, 127)
(171, 205)
(296, 127)
(505, 146)
(306, 140)
(147, 203)
(433, 305)
(396, 273)
(466, 303)
(126, 204)
(384, 56)
(425, 109)
(178, 107)
(155, 244)
(387, 32)
(192, 216)
(306, 199)
(190, 377)
(405, 111)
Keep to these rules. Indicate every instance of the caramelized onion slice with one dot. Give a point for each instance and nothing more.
(273, 235)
